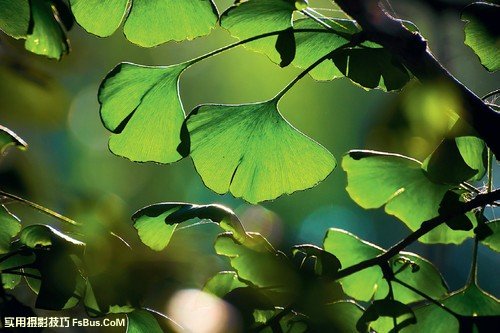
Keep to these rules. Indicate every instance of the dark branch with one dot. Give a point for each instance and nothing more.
(411, 49)
(478, 201)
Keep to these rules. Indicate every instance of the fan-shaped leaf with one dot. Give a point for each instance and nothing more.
(398, 182)
(141, 321)
(482, 33)
(222, 283)
(480, 313)
(369, 283)
(148, 23)
(15, 17)
(493, 241)
(252, 151)
(385, 308)
(48, 37)
(140, 105)
(157, 223)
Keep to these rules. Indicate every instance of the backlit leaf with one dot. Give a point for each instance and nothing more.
(482, 32)
(480, 310)
(147, 23)
(493, 241)
(369, 283)
(157, 223)
(398, 182)
(142, 321)
(9, 227)
(253, 152)
(140, 105)
(48, 37)
(222, 283)
(15, 17)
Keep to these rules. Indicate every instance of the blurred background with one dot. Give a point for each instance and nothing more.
(68, 168)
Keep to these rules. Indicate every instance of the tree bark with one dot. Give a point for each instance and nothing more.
(412, 50)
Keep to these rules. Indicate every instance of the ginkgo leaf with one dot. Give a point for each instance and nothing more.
(478, 309)
(257, 17)
(222, 283)
(48, 37)
(375, 179)
(370, 283)
(8, 139)
(253, 152)
(141, 321)
(140, 105)
(482, 33)
(9, 227)
(493, 240)
(157, 223)
(147, 23)
(15, 17)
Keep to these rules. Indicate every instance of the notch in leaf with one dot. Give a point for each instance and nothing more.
(140, 105)
(147, 23)
(252, 151)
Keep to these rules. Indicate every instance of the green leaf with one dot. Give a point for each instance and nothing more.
(48, 37)
(9, 227)
(325, 264)
(369, 283)
(471, 302)
(343, 317)
(11, 261)
(398, 182)
(493, 241)
(257, 262)
(142, 321)
(140, 105)
(157, 223)
(9, 139)
(372, 68)
(253, 152)
(148, 23)
(98, 17)
(222, 283)
(38, 235)
(386, 308)
(14, 17)
(482, 33)
(257, 17)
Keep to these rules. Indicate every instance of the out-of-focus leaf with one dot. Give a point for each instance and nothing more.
(398, 182)
(9, 227)
(148, 23)
(157, 223)
(141, 321)
(370, 283)
(257, 262)
(48, 37)
(14, 17)
(8, 139)
(480, 310)
(54, 252)
(222, 283)
(342, 317)
(257, 17)
(14, 262)
(253, 152)
(482, 33)
(325, 264)
(140, 105)
(386, 308)
(493, 241)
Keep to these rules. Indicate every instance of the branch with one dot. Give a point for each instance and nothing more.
(479, 201)
(411, 49)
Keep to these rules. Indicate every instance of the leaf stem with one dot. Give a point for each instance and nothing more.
(424, 295)
(479, 201)
(355, 41)
(254, 38)
(40, 208)
(29, 275)
(473, 268)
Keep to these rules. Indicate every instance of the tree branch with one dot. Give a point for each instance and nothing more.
(479, 201)
(411, 49)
